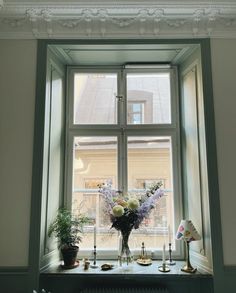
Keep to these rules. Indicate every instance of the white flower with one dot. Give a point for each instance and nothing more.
(118, 210)
(133, 203)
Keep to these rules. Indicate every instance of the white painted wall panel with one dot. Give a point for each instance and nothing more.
(17, 98)
(224, 87)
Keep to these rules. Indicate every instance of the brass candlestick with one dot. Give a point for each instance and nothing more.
(94, 265)
(143, 258)
(170, 261)
(164, 268)
(143, 252)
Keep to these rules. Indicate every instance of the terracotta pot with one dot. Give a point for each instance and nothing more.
(69, 255)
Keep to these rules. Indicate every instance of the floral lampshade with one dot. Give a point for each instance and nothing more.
(187, 231)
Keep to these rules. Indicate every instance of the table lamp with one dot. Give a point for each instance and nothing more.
(188, 233)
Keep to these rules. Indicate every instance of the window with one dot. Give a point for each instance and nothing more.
(123, 127)
(136, 112)
(102, 144)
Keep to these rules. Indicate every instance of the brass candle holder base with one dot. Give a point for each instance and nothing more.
(188, 269)
(164, 268)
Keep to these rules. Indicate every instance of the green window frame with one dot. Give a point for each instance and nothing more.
(122, 129)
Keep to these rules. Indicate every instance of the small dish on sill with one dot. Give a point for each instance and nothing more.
(106, 267)
(144, 261)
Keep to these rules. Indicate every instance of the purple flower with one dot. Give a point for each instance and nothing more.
(131, 218)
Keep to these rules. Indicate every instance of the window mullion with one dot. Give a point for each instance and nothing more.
(123, 181)
(121, 100)
(122, 149)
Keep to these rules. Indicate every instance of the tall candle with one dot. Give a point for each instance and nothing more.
(169, 234)
(164, 254)
(94, 234)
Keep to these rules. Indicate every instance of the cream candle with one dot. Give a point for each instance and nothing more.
(169, 234)
(164, 254)
(94, 235)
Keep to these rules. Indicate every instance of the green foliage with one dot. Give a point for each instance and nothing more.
(151, 190)
(67, 228)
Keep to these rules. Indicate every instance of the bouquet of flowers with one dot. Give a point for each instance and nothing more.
(128, 212)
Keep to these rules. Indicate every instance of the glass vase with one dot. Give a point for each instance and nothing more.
(125, 255)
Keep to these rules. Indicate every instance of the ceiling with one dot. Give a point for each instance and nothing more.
(124, 19)
(118, 1)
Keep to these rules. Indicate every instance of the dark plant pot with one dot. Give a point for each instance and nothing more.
(69, 255)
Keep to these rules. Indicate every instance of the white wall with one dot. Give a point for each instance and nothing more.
(224, 88)
(17, 97)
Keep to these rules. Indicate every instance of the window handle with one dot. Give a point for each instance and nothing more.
(119, 98)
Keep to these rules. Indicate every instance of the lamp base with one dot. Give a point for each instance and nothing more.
(188, 269)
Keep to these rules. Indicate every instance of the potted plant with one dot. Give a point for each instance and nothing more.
(67, 228)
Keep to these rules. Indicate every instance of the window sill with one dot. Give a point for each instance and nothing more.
(131, 269)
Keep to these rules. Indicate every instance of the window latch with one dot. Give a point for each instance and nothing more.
(120, 98)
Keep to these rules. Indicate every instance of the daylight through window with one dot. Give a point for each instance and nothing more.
(123, 128)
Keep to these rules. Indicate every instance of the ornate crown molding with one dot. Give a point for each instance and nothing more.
(118, 19)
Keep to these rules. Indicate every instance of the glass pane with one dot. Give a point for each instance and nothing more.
(137, 107)
(150, 95)
(95, 162)
(150, 161)
(95, 98)
(135, 113)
